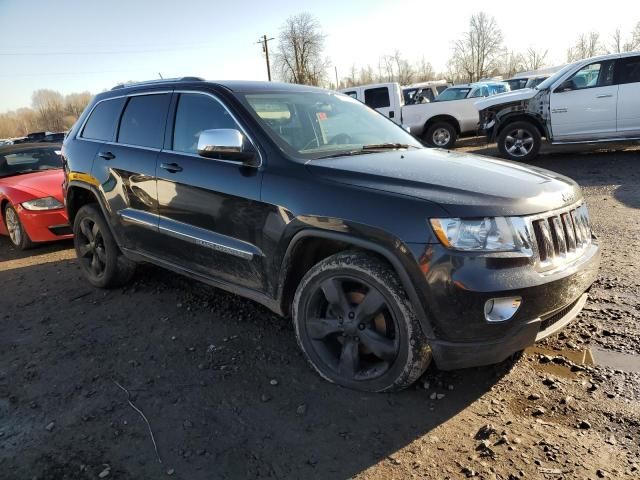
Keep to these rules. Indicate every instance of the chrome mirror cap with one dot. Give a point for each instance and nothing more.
(225, 144)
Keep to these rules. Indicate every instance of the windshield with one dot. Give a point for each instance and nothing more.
(552, 79)
(453, 94)
(318, 124)
(30, 160)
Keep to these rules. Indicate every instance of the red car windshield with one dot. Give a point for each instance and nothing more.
(29, 160)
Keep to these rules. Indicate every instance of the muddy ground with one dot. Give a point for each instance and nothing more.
(227, 393)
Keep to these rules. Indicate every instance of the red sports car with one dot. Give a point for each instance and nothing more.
(31, 202)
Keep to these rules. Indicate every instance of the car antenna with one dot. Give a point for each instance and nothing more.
(160, 75)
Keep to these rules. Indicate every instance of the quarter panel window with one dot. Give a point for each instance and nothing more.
(377, 97)
(195, 113)
(101, 124)
(143, 120)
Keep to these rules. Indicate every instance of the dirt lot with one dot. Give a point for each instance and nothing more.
(228, 395)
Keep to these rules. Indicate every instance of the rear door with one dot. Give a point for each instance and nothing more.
(628, 77)
(211, 218)
(587, 108)
(125, 169)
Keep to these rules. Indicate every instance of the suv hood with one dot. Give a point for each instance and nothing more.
(515, 96)
(465, 185)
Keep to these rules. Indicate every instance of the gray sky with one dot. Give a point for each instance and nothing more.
(77, 45)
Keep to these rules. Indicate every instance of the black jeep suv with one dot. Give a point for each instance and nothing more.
(384, 253)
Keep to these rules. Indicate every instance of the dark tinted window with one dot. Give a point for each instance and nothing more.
(143, 120)
(196, 113)
(628, 70)
(102, 122)
(377, 97)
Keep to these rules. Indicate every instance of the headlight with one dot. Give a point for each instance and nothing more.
(489, 234)
(47, 203)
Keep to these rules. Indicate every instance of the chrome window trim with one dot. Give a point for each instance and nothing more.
(235, 119)
(135, 94)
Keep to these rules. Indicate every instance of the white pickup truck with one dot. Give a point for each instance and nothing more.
(438, 123)
(595, 100)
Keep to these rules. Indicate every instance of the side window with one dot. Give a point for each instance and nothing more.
(102, 121)
(428, 94)
(377, 97)
(352, 94)
(143, 120)
(594, 75)
(195, 113)
(628, 70)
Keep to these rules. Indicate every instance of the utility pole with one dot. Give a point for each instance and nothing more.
(264, 41)
(337, 83)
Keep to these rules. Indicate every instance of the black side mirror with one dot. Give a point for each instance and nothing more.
(565, 86)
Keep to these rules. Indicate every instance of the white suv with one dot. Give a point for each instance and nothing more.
(590, 101)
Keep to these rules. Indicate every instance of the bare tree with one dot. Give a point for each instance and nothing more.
(512, 63)
(635, 38)
(75, 103)
(367, 75)
(299, 55)
(617, 44)
(587, 45)
(534, 59)
(477, 53)
(404, 72)
(424, 71)
(50, 106)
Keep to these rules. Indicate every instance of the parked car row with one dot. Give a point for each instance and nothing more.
(35, 137)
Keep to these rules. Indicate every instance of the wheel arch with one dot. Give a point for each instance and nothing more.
(443, 118)
(521, 117)
(298, 260)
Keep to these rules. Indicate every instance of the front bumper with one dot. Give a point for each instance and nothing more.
(458, 287)
(46, 226)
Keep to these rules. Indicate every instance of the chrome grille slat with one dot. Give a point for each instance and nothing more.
(560, 236)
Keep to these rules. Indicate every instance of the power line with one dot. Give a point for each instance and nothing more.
(106, 52)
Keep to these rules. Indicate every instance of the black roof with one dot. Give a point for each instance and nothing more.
(232, 85)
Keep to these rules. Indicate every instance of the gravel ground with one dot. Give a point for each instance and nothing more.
(227, 393)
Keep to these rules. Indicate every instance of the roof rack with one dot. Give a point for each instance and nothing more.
(159, 80)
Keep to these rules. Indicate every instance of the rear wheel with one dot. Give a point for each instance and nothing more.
(101, 260)
(356, 325)
(17, 234)
(441, 135)
(519, 141)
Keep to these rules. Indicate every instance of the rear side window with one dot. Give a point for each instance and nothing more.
(196, 113)
(377, 97)
(628, 70)
(102, 121)
(143, 120)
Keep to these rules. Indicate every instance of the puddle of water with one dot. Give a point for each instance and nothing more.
(590, 356)
(616, 360)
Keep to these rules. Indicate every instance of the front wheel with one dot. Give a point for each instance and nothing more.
(17, 234)
(356, 326)
(101, 260)
(441, 135)
(519, 141)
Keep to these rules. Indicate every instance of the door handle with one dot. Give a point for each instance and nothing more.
(604, 96)
(171, 167)
(107, 155)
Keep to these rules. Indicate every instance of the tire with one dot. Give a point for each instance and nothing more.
(519, 141)
(368, 337)
(101, 261)
(17, 234)
(441, 135)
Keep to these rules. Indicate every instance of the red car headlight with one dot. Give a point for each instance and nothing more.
(46, 203)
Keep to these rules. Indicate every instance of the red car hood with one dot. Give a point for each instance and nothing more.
(47, 183)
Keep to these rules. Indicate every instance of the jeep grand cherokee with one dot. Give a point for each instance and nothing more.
(384, 253)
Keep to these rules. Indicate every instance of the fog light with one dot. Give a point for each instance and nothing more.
(501, 309)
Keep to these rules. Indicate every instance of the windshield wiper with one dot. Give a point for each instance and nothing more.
(345, 154)
(386, 146)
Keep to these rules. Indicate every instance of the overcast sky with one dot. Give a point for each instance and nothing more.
(78, 45)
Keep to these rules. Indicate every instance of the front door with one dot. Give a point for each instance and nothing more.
(211, 218)
(585, 106)
(628, 76)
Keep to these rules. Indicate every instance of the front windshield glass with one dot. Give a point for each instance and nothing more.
(319, 124)
(453, 94)
(29, 160)
(552, 79)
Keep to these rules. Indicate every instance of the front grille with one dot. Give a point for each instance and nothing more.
(561, 236)
(555, 317)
